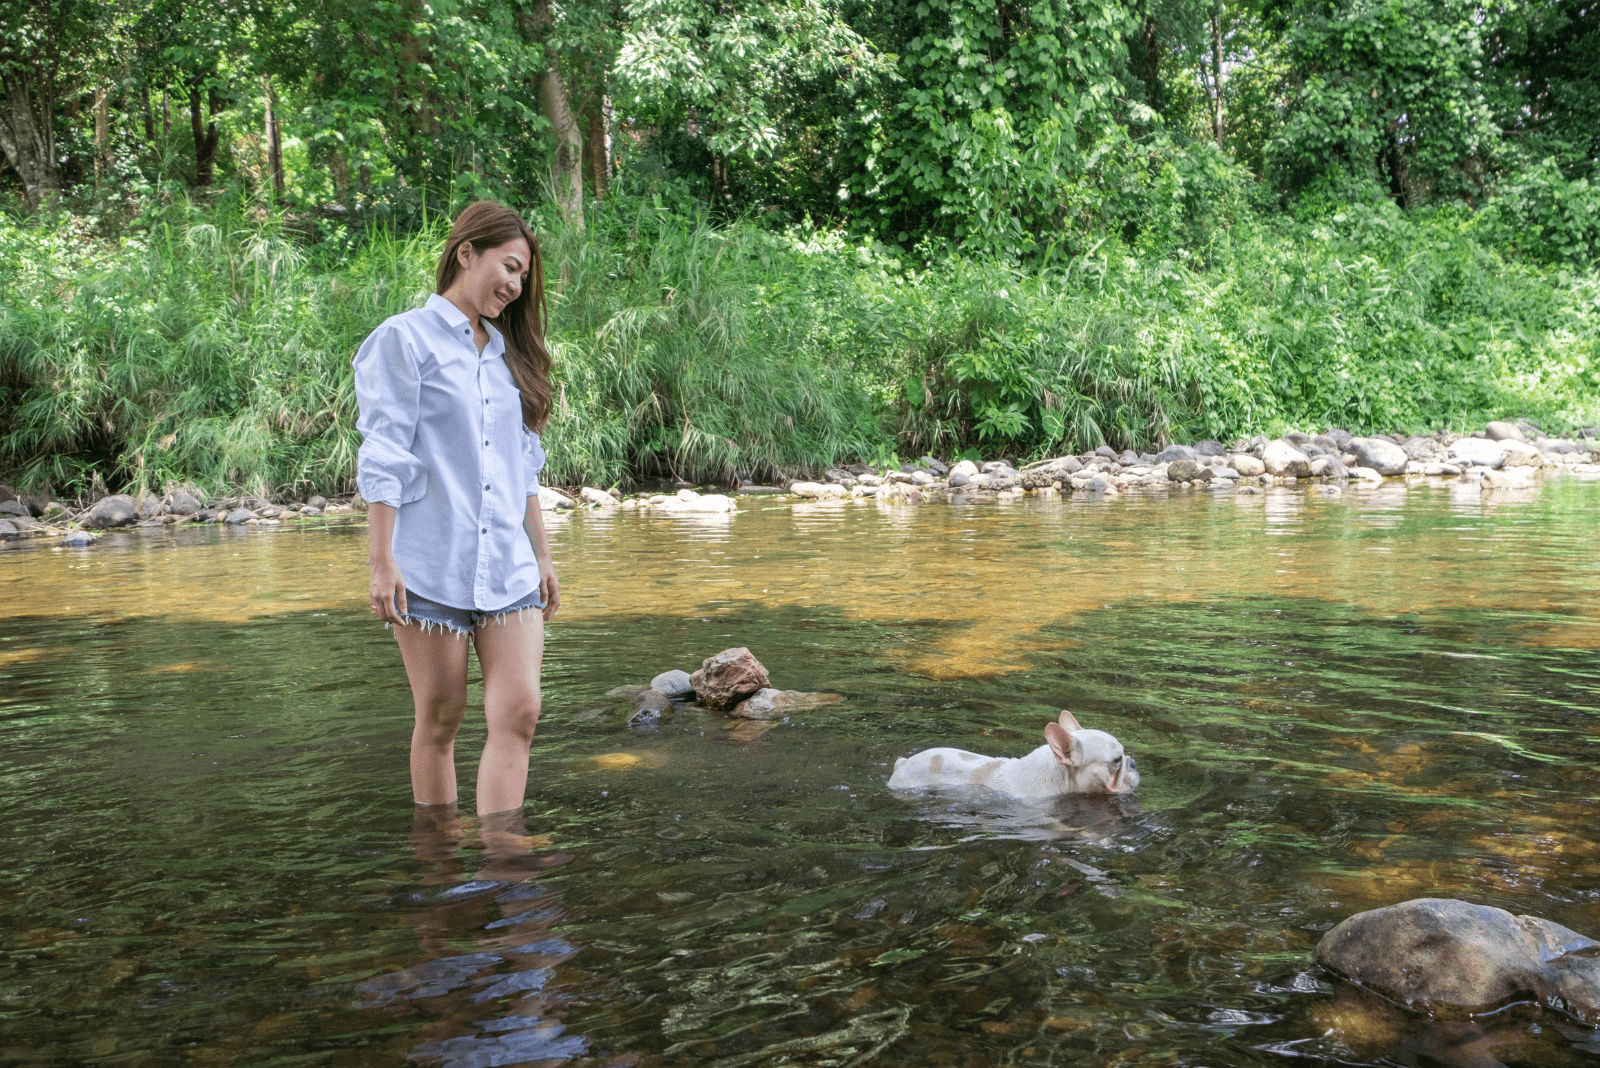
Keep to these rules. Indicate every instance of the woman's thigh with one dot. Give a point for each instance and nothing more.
(511, 652)
(436, 665)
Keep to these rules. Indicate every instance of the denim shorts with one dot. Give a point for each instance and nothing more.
(461, 621)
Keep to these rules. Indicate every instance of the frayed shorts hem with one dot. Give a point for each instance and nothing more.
(430, 616)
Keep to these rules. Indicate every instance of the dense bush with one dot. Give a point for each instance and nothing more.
(213, 345)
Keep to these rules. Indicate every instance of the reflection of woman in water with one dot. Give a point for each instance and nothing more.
(453, 395)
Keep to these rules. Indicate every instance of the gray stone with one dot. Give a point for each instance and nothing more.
(8, 529)
(151, 507)
(922, 478)
(1423, 450)
(1210, 448)
(1297, 438)
(78, 539)
(317, 501)
(1312, 449)
(1187, 471)
(1498, 431)
(1339, 437)
(1101, 485)
(938, 467)
(310, 512)
(1128, 458)
(958, 479)
(1248, 466)
(13, 507)
(182, 502)
(1069, 466)
(1175, 452)
(630, 691)
(1439, 953)
(645, 717)
(965, 467)
(1384, 457)
(1107, 451)
(118, 510)
(1281, 458)
(1225, 473)
(597, 497)
(237, 516)
(552, 500)
(673, 683)
(1478, 452)
(728, 678)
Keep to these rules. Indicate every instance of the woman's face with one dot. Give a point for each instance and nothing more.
(492, 278)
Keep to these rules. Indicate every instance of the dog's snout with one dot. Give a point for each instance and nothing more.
(1132, 763)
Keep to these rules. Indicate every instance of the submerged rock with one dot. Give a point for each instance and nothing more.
(769, 703)
(728, 677)
(78, 539)
(1436, 953)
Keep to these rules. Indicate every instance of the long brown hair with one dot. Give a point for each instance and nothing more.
(486, 225)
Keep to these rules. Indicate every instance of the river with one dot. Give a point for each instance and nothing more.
(1336, 702)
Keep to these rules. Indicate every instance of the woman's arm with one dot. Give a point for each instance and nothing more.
(388, 588)
(549, 585)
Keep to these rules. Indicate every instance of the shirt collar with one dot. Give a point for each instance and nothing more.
(456, 320)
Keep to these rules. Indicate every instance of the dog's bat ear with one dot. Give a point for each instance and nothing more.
(1068, 721)
(1066, 748)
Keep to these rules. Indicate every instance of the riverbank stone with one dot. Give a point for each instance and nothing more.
(1478, 452)
(1521, 454)
(728, 677)
(1188, 471)
(1280, 458)
(1439, 953)
(553, 500)
(1384, 457)
(12, 506)
(1499, 431)
(78, 539)
(674, 683)
(118, 510)
(238, 516)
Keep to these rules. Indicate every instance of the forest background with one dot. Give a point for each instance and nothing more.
(782, 234)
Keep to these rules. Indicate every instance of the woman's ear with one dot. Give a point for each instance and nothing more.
(464, 254)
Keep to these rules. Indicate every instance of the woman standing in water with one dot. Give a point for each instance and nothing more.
(453, 395)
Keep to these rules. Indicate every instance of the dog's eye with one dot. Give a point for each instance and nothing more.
(1117, 763)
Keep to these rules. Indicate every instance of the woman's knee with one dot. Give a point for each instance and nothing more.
(439, 716)
(516, 720)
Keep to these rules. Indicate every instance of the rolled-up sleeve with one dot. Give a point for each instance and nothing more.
(388, 392)
(532, 460)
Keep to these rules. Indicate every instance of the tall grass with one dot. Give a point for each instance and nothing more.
(211, 346)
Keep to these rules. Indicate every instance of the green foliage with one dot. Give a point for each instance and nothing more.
(1389, 88)
(209, 345)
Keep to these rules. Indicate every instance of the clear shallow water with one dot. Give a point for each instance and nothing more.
(1336, 703)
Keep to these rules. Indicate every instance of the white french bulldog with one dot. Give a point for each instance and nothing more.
(1072, 761)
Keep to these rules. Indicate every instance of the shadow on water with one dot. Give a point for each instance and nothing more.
(1336, 704)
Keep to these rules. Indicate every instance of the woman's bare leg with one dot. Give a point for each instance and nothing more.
(436, 664)
(510, 651)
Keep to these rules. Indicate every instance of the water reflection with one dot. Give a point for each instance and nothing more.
(497, 1004)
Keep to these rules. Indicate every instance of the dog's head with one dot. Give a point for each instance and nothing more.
(1095, 761)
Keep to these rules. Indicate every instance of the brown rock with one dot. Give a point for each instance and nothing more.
(723, 680)
(1434, 953)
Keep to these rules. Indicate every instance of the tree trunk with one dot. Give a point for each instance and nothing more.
(149, 114)
(566, 165)
(1216, 70)
(27, 135)
(272, 137)
(102, 136)
(595, 156)
(205, 131)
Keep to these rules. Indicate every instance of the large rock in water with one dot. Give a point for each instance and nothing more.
(116, 511)
(1384, 457)
(1478, 452)
(727, 678)
(1282, 458)
(1437, 953)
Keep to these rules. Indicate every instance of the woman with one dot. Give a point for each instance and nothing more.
(453, 396)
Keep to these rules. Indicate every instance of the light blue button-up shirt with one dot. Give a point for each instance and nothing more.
(442, 440)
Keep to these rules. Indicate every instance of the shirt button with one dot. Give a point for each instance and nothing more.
(486, 530)
(488, 487)
(486, 443)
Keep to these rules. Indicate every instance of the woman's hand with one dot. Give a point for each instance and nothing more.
(387, 592)
(549, 588)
